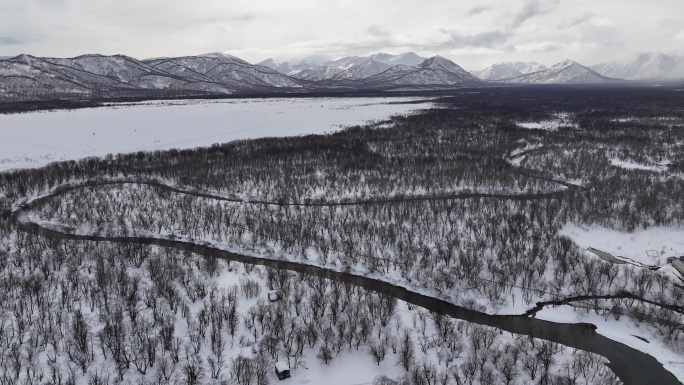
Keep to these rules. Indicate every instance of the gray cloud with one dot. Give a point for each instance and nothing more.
(487, 39)
(243, 17)
(8, 40)
(532, 9)
(541, 47)
(477, 10)
(377, 30)
(473, 33)
(578, 20)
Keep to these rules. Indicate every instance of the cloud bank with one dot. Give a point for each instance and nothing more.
(472, 33)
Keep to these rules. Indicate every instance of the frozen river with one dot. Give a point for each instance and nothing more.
(36, 139)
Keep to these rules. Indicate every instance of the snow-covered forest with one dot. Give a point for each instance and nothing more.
(465, 203)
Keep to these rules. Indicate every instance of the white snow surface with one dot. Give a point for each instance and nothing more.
(637, 166)
(666, 241)
(36, 139)
(561, 119)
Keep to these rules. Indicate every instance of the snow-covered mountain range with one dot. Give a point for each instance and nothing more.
(27, 77)
(386, 71)
(408, 58)
(565, 72)
(644, 66)
(501, 71)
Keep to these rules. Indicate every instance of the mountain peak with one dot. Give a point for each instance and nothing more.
(363, 69)
(566, 63)
(565, 72)
(406, 58)
(268, 63)
(508, 70)
(224, 57)
(441, 63)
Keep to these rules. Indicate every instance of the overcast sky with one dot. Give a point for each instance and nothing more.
(474, 34)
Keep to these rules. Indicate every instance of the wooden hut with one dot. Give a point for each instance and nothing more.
(282, 369)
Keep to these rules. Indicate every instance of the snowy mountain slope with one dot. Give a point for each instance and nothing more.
(408, 58)
(356, 67)
(78, 76)
(345, 62)
(316, 71)
(498, 71)
(125, 70)
(439, 63)
(97, 76)
(509, 70)
(643, 66)
(435, 72)
(287, 68)
(527, 67)
(226, 70)
(21, 81)
(26, 77)
(565, 72)
(362, 70)
(317, 74)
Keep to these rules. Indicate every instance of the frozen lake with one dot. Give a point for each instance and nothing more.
(36, 139)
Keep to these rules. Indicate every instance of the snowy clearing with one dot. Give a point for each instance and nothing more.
(637, 166)
(36, 139)
(559, 120)
(666, 241)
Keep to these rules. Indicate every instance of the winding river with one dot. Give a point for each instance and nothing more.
(630, 365)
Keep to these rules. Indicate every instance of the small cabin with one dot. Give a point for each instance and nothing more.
(273, 295)
(282, 369)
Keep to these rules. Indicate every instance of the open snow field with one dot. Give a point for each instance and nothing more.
(36, 139)
(664, 241)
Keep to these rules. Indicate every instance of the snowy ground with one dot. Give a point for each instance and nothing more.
(559, 120)
(664, 241)
(351, 366)
(637, 166)
(35, 139)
